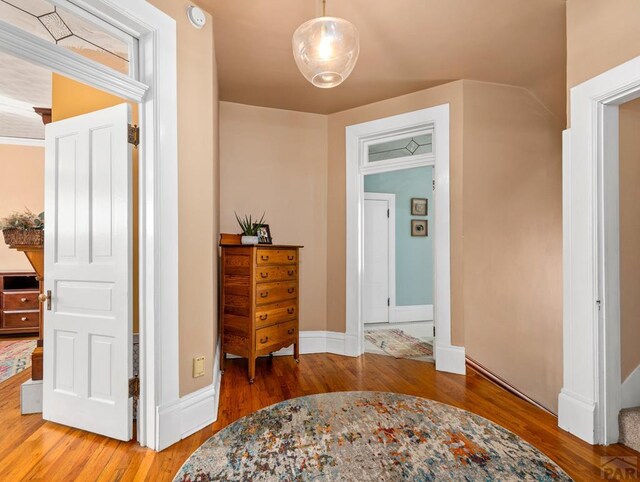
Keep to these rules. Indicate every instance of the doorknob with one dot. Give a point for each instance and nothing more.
(42, 298)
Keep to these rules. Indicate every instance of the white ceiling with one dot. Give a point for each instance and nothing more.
(405, 46)
(22, 87)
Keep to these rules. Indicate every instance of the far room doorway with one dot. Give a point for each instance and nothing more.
(418, 139)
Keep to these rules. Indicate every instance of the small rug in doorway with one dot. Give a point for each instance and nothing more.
(366, 436)
(15, 356)
(398, 344)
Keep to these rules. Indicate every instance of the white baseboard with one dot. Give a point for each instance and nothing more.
(631, 390)
(450, 359)
(321, 342)
(31, 397)
(192, 412)
(577, 416)
(405, 314)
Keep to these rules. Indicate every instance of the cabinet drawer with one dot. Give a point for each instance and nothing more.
(21, 319)
(276, 273)
(276, 335)
(276, 313)
(274, 292)
(276, 256)
(19, 300)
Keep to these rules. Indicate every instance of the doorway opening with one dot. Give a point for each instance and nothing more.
(418, 139)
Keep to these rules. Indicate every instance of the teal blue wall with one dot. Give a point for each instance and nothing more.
(414, 255)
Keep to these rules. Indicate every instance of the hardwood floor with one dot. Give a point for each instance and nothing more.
(31, 449)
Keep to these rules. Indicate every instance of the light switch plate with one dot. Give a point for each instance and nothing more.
(198, 366)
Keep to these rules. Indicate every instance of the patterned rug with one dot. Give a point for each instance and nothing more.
(15, 356)
(366, 436)
(398, 344)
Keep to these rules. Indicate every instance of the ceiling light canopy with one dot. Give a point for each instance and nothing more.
(326, 50)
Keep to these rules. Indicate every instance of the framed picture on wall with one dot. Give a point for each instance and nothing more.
(419, 227)
(264, 234)
(419, 206)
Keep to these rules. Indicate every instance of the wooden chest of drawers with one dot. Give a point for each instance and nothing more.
(19, 306)
(259, 301)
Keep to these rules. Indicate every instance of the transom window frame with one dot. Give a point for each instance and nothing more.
(405, 162)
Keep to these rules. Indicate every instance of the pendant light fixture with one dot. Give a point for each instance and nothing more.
(326, 49)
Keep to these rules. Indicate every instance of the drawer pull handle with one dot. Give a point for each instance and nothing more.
(24, 318)
(290, 258)
(24, 300)
(291, 310)
(290, 272)
(264, 340)
(291, 290)
(264, 258)
(264, 275)
(264, 317)
(291, 331)
(264, 294)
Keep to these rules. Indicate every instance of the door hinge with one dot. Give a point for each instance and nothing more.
(388, 214)
(433, 185)
(134, 135)
(388, 301)
(134, 387)
(599, 304)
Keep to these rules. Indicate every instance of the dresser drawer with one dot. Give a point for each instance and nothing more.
(276, 273)
(276, 335)
(276, 313)
(20, 300)
(274, 292)
(276, 256)
(21, 319)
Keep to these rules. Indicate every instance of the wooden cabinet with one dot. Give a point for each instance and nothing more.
(19, 306)
(259, 301)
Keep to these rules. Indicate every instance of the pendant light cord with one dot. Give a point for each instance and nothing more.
(324, 8)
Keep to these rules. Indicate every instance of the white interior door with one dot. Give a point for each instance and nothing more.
(88, 273)
(379, 250)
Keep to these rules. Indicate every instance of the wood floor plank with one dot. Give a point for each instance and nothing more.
(31, 449)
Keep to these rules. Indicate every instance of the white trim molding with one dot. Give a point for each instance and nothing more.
(405, 314)
(436, 121)
(590, 400)
(192, 412)
(21, 141)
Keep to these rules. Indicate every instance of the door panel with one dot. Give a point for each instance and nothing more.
(88, 268)
(375, 295)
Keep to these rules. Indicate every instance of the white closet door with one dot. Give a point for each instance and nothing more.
(377, 252)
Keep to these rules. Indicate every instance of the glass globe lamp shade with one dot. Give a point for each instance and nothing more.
(326, 50)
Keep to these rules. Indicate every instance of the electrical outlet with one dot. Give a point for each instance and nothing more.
(198, 366)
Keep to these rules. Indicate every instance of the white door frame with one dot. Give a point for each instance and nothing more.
(391, 202)
(436, 119)
(156, 91)
(590, 399)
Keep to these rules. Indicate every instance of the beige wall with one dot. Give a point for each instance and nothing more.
(21, 187)
(275, 161)
(630, 236)
(336, 200)
(601, 34)
(512, 211)
(198, 192)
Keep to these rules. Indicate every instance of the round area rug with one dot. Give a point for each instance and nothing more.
(362, 436)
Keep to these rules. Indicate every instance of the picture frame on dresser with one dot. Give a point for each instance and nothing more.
(259, 301)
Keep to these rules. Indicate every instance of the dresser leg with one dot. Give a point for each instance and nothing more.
(252, 369)
(296, 352)
(223, 358)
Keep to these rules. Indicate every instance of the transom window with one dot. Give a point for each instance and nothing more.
(68, 26)
(404, 147)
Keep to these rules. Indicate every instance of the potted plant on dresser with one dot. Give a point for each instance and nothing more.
(249, 228)
(23, 229)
